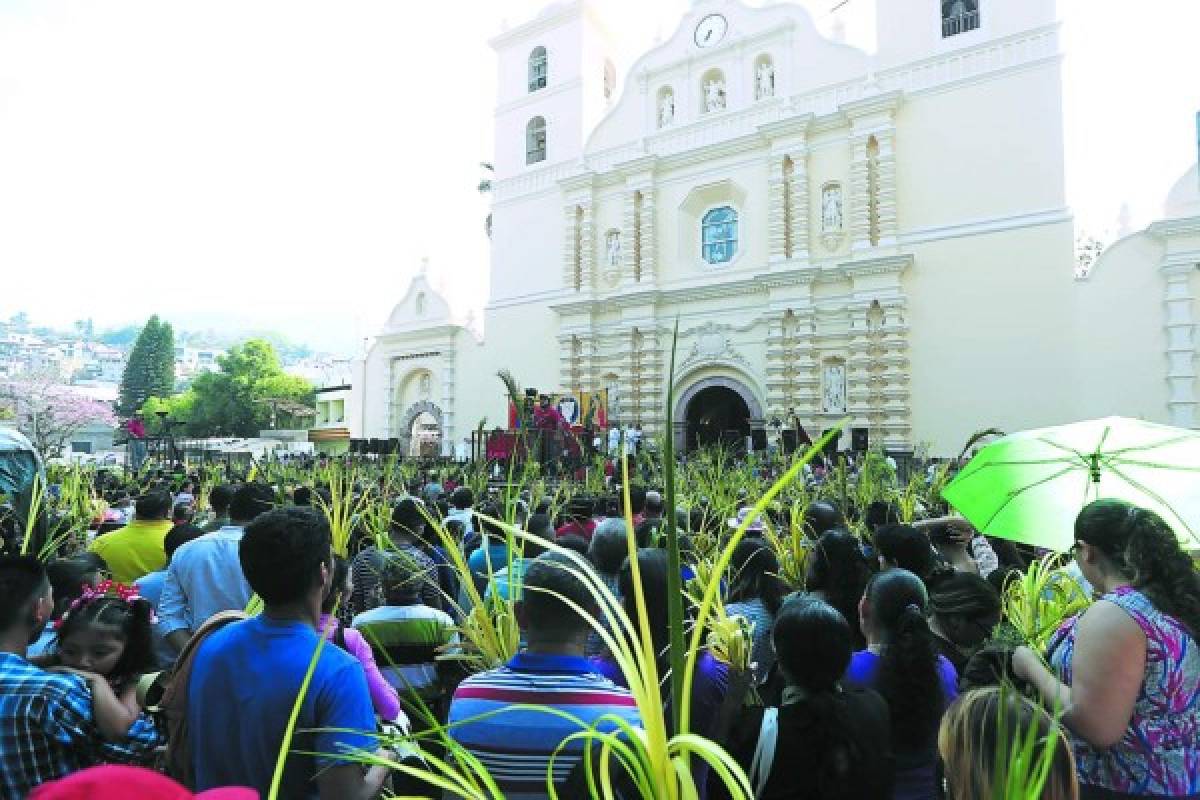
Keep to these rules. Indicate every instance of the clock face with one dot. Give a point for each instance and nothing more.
(711, 30)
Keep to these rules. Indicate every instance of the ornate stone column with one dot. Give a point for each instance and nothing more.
(1180, 328)
(647, 237)
(872, 198)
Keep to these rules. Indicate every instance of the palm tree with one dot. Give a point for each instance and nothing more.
(485, 186)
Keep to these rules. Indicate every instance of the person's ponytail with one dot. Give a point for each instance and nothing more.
(837, 751)
(1162, 570)
(909, 679)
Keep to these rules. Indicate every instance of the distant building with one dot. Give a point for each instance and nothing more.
(337, 419)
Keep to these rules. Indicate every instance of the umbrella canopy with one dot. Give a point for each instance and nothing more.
(1030, 486)
(19, 462)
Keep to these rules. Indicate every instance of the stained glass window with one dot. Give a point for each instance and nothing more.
(719, 235)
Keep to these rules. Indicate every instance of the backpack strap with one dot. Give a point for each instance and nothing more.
(764, 752)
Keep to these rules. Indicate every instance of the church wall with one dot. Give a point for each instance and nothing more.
(979, 153)
(521, 339)
(1118, 324)
(909, 30)
(527, 247)
(989, 345)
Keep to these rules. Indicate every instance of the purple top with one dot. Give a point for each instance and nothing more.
(709, 686)
(915, 761)
(1159, 754)
(383, 696)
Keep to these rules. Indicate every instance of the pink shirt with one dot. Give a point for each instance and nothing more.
(383, 696)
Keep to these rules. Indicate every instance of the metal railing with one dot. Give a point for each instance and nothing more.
(960, 23)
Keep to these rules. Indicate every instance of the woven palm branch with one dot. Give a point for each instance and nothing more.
(514, 391)
(977, 437)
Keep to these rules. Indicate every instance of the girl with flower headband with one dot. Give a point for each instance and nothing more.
(105, 638)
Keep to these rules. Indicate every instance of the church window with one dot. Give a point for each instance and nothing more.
(610, 79)
(420, 304)
(719, 235)
(537, 69)
(959, 16)
(535, 140)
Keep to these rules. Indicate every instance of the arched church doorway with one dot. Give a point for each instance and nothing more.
(717, 415)
(425, 436)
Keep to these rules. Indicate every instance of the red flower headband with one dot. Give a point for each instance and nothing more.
(106, 588)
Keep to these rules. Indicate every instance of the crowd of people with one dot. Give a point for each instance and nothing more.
(179, 642)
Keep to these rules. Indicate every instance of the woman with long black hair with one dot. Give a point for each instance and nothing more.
(756, 593)
(1129, 691)
(902, 664)
(838, 572)
(824, 741)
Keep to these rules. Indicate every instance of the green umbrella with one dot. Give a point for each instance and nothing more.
(1029, 486)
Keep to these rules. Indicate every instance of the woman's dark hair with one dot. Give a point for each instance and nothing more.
(754, 573)
(68, 576)
(813, 644)
(652, 568)
(966, 606)
(130, 619)
(1142, 546)
(337, 593)
(838, 569)
(908, 671)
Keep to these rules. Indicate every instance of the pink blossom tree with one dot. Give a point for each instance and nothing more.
(50, 413)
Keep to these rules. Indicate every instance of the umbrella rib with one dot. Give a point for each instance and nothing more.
(969, 472)
(1078, 454)
(1012, 495)
(1153, 446)
(1150, 464)
(1155, 496)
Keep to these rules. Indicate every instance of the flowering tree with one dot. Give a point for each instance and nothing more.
(50, 413)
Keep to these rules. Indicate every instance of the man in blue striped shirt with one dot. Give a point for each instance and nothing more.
(47, 729)
(516, 744)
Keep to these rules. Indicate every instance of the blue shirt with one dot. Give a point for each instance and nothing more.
(47, 730)
(150, 587)
(244, 683)
(204, 578)
(915, 761)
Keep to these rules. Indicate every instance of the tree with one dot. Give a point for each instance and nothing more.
(120, 337)
(50, 413)
(150, 370)
(242, 396)
(484, 187)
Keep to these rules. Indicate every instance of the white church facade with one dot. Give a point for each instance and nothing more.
(881, 236)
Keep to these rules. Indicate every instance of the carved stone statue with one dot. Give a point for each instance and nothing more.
(714, 95)
(425, 387)
(666, 110)
(613, 247)
(831, 208)
(765, 81)
(834, 400)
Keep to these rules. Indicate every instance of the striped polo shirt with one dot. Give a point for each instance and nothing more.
(516, 745)
(405, 642)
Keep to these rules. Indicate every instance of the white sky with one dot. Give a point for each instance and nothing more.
(286, 164)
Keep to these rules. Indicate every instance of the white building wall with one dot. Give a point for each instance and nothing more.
(946, 295)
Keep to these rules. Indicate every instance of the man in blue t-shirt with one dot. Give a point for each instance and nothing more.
(247, 675)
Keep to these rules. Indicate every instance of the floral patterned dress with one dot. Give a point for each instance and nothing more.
(1159, 755)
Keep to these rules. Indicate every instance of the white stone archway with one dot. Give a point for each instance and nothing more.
(684, 399)
(409, 418)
